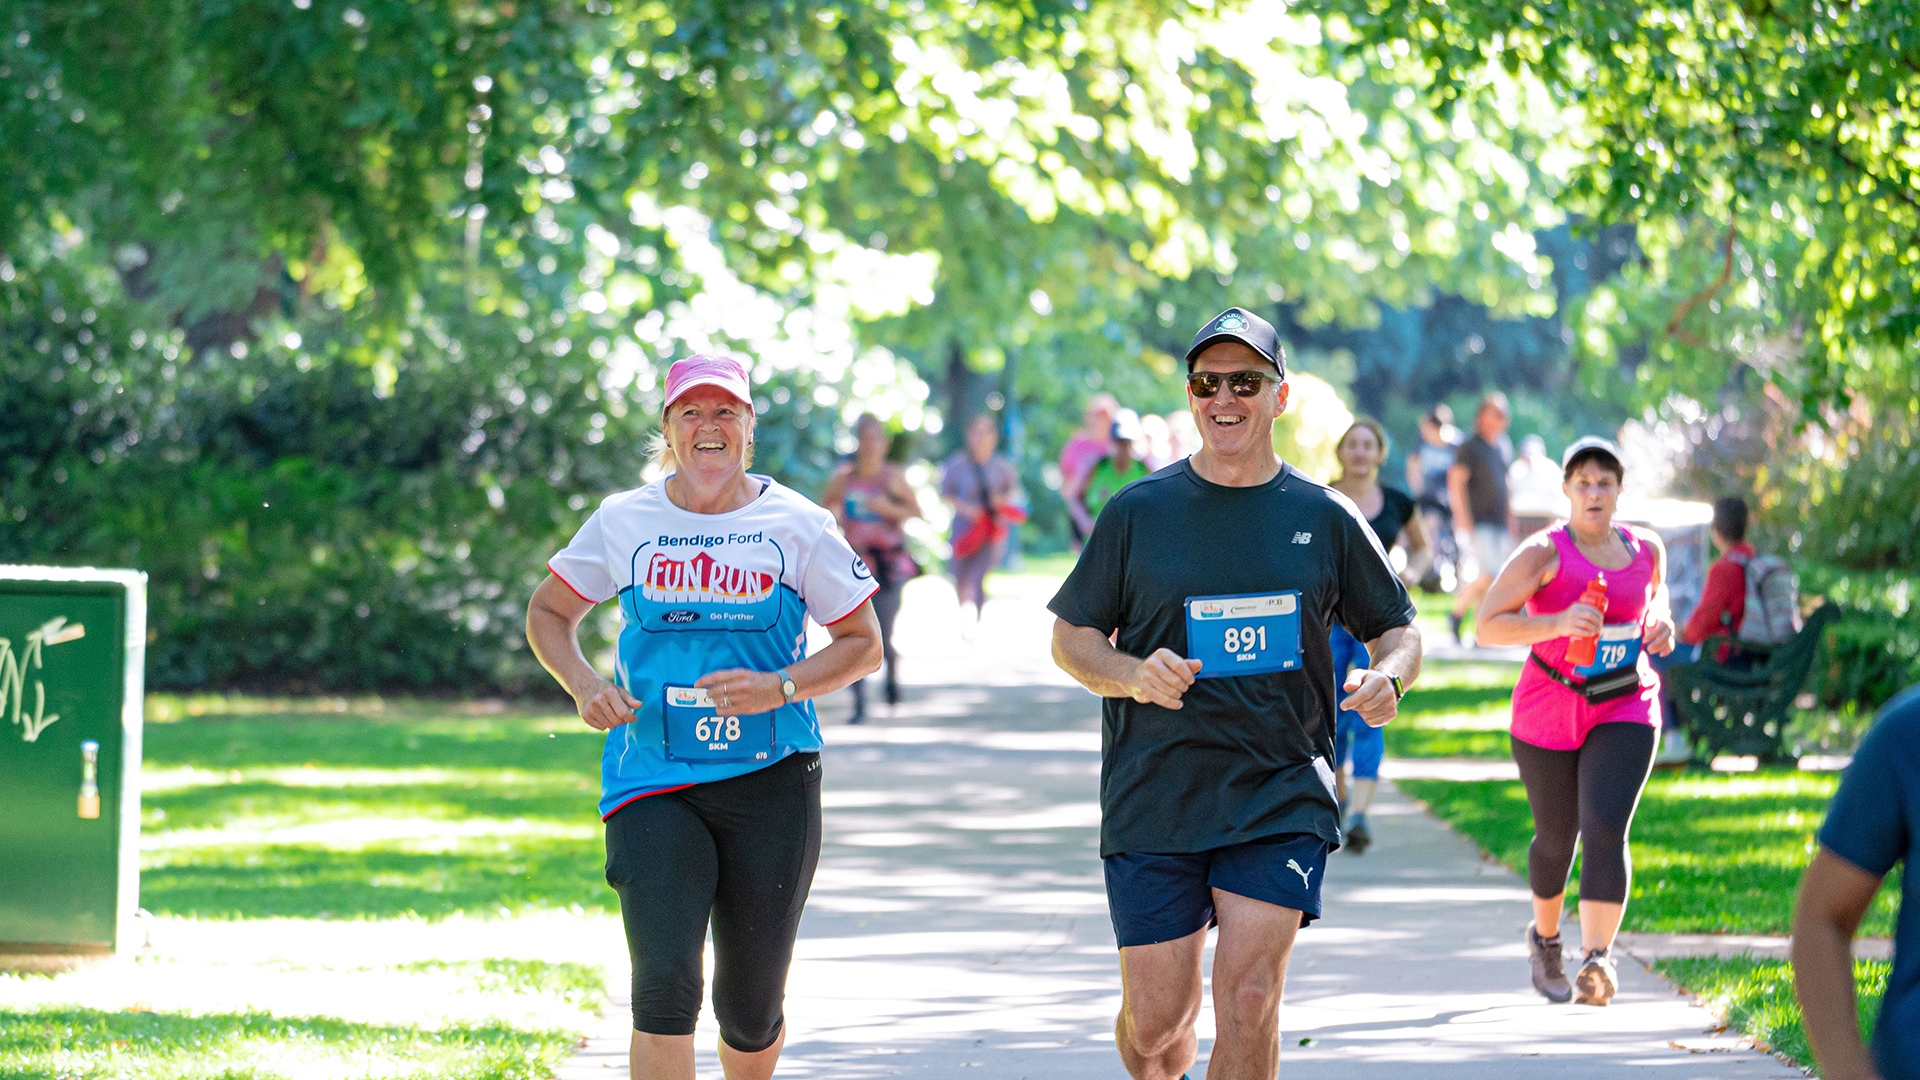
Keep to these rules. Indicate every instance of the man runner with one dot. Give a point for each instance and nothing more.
(1221, 574)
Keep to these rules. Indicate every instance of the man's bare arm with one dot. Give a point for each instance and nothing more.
(1834, 897)
(1088, 656)
(1370, 692)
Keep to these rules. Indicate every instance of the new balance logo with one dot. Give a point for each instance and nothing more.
(1303, 538)
(1304, 874)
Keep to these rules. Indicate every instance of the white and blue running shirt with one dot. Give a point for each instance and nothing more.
(701, 593)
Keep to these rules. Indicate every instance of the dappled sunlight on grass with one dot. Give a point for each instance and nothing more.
(350, 816)
(504, 1019)
(1756, 996)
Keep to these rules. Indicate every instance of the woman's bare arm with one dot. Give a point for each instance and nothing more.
(854, 653)
(1413, 537)
(1501, 622)
(902, 504)
(1657, 631)
(553, 621)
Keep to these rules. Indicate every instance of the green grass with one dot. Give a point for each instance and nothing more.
(341, 809)
(1457, 709)
(78, 1041)
(1711, 853)
(1757, 997)
(355, 816)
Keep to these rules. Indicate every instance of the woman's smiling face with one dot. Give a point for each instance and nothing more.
(709, 430)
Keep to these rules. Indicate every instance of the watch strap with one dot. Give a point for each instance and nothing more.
(1398, 690)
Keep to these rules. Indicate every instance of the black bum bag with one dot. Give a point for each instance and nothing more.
(1614, 684)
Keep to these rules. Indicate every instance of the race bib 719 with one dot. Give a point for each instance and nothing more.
(1617, 649)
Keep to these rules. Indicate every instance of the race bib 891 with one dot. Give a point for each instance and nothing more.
(1248, 634)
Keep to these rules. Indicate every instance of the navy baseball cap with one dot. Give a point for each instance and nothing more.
(1243, 326)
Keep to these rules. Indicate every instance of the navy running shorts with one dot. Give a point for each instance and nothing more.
(1155, 898)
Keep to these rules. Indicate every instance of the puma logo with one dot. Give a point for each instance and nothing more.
(1296, 868)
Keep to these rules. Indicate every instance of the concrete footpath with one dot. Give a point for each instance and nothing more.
(958, 928)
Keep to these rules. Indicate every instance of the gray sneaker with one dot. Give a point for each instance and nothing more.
(1598, 980)
(1549, 977)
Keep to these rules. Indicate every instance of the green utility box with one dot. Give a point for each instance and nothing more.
(73, 645)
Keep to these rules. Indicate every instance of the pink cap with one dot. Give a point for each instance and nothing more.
(703, 370)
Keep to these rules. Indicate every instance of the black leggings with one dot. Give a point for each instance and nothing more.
(1586, 795)
(886, 607)
(740, 851)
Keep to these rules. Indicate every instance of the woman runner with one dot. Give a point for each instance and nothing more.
(1390, 514)
(984, 489)
(872, 500)
(1583, 733)
(710, 779)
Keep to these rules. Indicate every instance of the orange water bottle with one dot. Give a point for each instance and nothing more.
(1580, 650)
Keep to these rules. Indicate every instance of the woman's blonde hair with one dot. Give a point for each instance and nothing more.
(660, 451)
(1379, 435)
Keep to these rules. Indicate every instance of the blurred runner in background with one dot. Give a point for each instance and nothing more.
(1477, 493)
(984, 490)
(1087, 445)
(1183, 438)
(1390, 515)
(1533, 489)
(1109, 474)
(871, 499)
(1427, 469)
(1156, 442)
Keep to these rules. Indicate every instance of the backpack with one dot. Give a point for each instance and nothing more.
(1773, 600)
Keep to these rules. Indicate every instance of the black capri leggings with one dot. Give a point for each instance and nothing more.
(740, 851)
(1586, 795)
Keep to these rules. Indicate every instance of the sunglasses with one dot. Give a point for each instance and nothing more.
(1205, 384)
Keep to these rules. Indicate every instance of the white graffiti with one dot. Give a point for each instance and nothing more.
(13, 676)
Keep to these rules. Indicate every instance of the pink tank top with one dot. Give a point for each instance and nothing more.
(1553, 716)
(866, 529)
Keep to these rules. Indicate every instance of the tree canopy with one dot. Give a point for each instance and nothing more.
(1768, 148)
(365, 300)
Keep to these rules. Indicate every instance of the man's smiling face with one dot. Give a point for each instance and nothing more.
(1235, 427)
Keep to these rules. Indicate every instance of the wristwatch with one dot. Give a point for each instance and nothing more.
(788, 689)
(1398, 690)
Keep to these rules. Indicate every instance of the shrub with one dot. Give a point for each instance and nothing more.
(1873, 652)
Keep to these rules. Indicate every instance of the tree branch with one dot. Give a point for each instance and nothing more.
(1708, 293)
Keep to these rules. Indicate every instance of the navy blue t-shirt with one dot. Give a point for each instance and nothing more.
(1247, 755)
(1874, 823)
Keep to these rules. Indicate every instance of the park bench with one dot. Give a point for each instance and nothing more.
(1731, 710)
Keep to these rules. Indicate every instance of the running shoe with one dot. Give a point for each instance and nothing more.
(1549, 976)
(1597, 980)
(1453, 624)
(1358, 838)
